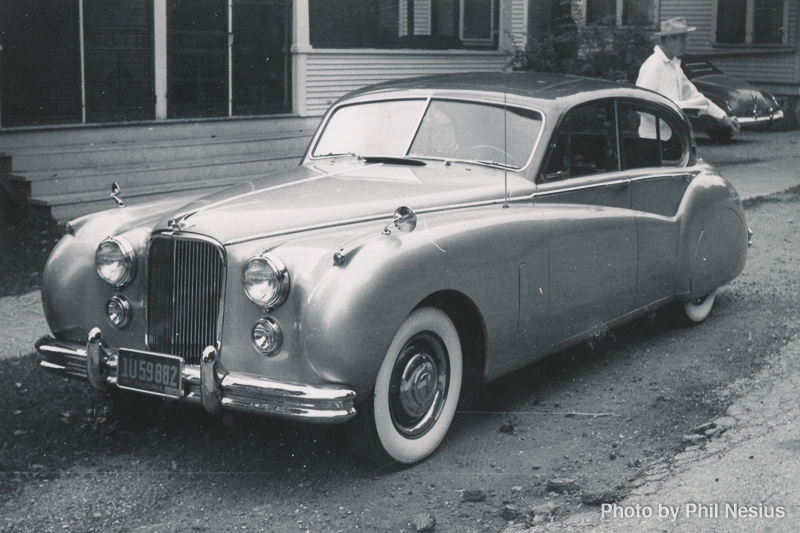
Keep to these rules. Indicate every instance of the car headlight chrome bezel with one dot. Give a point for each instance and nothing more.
(267, 336)
(125, 259)
(265, 280)
(118, 311)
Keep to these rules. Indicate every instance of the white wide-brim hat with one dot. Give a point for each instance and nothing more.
(676, 26)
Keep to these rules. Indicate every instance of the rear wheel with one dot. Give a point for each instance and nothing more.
(416, 391)
(698, 309)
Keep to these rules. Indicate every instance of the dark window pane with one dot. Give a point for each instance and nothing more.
(601, 11)
(41, 47)
(261, 57)
(353, 23)
(197, 58)
(118, 38)
(478, 20)
(638, 12)
(768, 21)
(732, 21)
(445, 18)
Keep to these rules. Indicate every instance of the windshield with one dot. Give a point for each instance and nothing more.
(377, 128)
(447, 129)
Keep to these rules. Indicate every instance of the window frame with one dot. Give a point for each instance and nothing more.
(619, 14)
(544, 177)
(749, 31)
(659, 112)
(415, 26)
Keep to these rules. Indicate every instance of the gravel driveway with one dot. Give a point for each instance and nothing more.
(23, 323)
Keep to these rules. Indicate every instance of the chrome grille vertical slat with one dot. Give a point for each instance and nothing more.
(185, 283)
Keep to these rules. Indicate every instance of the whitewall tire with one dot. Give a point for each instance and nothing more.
(698, 309)
(417, 387)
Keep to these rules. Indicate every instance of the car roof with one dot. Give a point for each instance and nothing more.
(552, 90)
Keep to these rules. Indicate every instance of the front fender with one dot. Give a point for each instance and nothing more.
(356, 308)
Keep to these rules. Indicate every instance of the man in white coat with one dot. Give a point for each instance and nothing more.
(662, 72)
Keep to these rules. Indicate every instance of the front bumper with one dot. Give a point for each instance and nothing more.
(208, 384)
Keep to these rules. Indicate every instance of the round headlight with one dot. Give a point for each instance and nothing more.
(115, 261)
(267, 336)
(118, 311)
(266, 280)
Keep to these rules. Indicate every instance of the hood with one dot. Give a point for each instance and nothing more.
(334, 192)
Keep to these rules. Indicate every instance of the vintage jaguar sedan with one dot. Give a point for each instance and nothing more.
(438, 230)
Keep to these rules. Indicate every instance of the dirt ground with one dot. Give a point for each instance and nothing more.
(585, 426)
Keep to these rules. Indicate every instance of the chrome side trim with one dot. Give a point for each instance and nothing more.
(210, 385)
(626, 179)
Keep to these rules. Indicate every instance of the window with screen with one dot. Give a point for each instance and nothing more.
(750, 22)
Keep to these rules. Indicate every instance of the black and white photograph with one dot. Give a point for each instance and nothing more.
(437, 266)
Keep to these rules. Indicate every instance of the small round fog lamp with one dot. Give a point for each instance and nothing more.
(267, 336)
(118, 311)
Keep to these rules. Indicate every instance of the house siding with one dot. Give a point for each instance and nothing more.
(332, 73)
(773, 68)
(328, 74)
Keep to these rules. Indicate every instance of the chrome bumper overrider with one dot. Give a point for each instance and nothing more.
(208, 384)
(746, 122)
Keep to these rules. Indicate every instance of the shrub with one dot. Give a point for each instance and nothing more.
(593, 51)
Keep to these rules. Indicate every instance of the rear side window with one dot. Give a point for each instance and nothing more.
(584, 144)
(647, 139)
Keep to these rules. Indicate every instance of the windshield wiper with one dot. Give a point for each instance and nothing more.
(393, 160)
(334, 154)
(493, 163)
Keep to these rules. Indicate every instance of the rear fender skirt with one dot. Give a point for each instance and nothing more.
(721, 252)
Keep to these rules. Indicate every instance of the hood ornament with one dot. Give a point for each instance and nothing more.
(179, 223)
(115, 190)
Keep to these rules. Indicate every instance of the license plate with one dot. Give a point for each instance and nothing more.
(149, 372)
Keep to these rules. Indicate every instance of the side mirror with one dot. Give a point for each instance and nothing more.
(404, 219)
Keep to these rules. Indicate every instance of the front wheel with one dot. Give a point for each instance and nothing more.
(416, 391)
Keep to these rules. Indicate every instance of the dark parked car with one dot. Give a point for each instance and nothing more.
(438, 230)
(752, 107)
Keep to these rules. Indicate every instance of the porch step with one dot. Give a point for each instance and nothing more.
(126, 153)
(73, 205)
(68, 173)
(185, 169)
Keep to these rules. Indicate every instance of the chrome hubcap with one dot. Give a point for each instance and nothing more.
(419, 385)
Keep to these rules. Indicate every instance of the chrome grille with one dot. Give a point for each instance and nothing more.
(186, 279)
